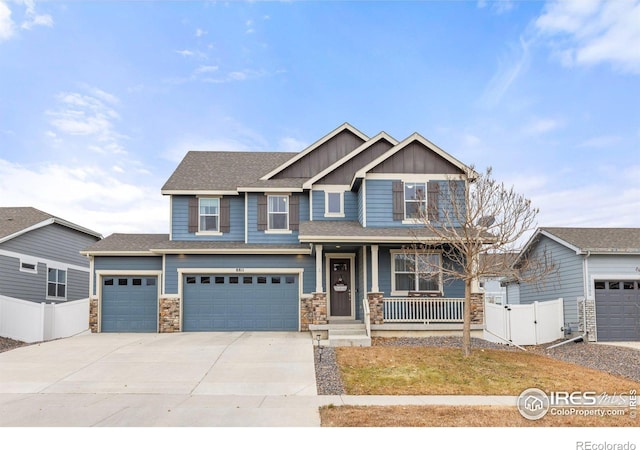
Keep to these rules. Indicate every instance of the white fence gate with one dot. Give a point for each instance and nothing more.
(537, 323)
(35, 322)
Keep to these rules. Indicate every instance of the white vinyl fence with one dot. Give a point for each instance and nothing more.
(35, 322)
(537, 323)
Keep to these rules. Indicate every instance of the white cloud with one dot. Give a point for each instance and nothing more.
(541, 126)
(588, 32)
(91, 116)
(7, 27)
(86, 195)
(606, 199)
(601, 142)
(200, 32)
(509, 70)
(291, 144)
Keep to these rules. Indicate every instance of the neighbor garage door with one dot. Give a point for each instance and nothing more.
(240, 302)
(129, 304)
(618, 310)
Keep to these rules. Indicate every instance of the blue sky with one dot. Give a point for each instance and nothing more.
(99, 100)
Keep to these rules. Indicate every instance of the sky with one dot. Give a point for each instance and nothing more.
(100, 100)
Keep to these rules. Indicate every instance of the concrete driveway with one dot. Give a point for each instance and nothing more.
(183, 379)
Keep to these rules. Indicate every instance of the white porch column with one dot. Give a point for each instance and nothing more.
(475, 285)
(318, 268)
(374, 269)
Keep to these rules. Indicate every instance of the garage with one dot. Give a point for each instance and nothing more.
(618, 310)
(129, 304)
(240, 302)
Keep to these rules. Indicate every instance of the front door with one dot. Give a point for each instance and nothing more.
(340, 287)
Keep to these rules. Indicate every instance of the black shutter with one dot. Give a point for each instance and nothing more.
(262, 212)
(193, 214)
(225, 215)
(433, 192)
(398, 200)
(294, 213)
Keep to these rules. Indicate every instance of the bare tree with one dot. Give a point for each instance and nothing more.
(478, 224)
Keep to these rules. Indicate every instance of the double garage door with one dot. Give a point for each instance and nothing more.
(240, 302)
(618, 310)
(220, 302)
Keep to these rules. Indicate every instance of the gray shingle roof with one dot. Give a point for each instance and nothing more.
(223, 171)
(223, 245)
(119, 242)
(312, 230)
(16, 219)
(603, 240)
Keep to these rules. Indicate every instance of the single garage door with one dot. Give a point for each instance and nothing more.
(618, 310)
(129, 304)
(240, 302)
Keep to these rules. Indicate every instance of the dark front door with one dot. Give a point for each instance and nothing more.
(340, 288)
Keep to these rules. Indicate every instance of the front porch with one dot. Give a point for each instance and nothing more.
(394, 316)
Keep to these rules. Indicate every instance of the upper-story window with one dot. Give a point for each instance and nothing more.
(209, 214)
(415, 200)
(57, 283)
(278, 212)
(334, 204)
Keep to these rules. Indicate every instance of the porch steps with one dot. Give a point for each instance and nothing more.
(348, 335)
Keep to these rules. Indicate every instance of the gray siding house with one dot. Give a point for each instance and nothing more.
(40, 258)
(288, 241)
(598, 278)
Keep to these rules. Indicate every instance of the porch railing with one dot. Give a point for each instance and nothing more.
(367, 315)
(423, 310)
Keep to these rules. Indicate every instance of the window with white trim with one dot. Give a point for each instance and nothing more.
(209, 219)
(334, 204)
(418, 272)
(28, 265)
(278, 212)
(415, 200)
(56, 283)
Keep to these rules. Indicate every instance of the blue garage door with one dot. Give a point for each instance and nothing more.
(240, 303)
(129, 304)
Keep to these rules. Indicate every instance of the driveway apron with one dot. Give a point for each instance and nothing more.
(183, 379)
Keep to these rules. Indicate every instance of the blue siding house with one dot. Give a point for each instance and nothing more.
(289, 241)
(598, 278)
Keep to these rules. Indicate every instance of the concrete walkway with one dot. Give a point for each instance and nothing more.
(174, 380)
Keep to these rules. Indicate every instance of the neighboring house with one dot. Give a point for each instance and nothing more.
(40, 262)
(492, 285)
(288, 241)
(598, 278)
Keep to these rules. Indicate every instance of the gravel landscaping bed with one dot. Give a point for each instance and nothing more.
(619, 361)
(7, 344)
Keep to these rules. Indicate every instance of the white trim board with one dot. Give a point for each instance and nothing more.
(49, 262)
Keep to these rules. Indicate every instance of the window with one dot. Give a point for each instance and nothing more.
(334, 204)
(415, 272)
(219, 280)
(123, 281)
(278, 212)
(57, 283)
(191, 280)
(209, 214)
(136, 282)
(247, 280)
(151, 281)
(205, 280)
(415, 200)
(29, 266)
(233, 280)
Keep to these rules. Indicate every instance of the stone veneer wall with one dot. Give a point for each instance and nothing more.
(477, 308)
(169, 315)
(376, 307)
(93, 315)
(588, 307)
(313, 310)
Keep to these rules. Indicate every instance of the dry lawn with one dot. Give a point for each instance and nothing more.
(457, 416)
(444, 371)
